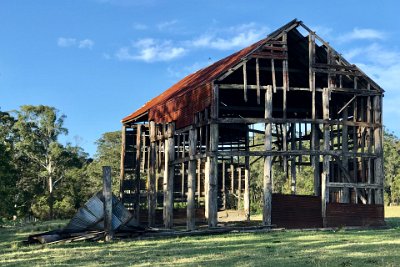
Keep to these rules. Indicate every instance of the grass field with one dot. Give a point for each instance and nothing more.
(284, 248)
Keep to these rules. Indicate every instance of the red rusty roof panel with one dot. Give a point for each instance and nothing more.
(170, 105)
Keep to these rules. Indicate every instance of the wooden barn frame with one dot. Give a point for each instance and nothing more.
(187, 153)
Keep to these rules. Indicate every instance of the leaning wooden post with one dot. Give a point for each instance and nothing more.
(213, 162)
(169, 173)
(151, 194)
(191, 220)
(267, 183)
(325, 170)
(378, 139)
(107, 193)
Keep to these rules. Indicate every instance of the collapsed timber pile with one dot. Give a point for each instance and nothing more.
(88, 223)
(104, 217)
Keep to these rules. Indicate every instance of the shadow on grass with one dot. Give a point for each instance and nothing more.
(288, 248)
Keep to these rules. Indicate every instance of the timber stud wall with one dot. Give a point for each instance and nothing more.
(189, 156)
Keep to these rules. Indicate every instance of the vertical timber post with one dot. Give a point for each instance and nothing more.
(169, 173)
(223, 191)
(246, 201)
(136, 205)
(206, 186)
(325, 171)
(345, 196)
(191, 221)
(293, 161)
(122, 166)
(267, 182)
(213, 161)
(151, 194)
(107, 194)
(285, 81)
(314, 133)
(239, 187)
(378, 139)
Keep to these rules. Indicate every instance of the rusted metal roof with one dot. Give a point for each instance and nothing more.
(163, 108)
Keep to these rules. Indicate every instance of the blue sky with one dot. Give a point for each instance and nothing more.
(99, 60)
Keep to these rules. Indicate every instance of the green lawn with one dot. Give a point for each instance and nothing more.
(287, 248)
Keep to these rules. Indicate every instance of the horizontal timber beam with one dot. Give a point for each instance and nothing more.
(361, 92)
(354, 185)
(280, 120)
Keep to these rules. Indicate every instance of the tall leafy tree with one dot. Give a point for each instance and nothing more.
(8, 170)
(392, 167)
(108, 154)
(38, 130)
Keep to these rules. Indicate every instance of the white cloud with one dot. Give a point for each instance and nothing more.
(383, 66)
(73, 42)
(236, 37)
(86, 43)
(66, 42)
(362, 34)
(166, 24)
(374, 53)
(150, 50)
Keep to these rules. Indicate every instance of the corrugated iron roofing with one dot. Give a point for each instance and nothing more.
(202, 78)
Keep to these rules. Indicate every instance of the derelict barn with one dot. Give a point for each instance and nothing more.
(186, 154)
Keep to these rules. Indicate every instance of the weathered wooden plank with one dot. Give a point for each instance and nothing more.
(183, 171)
(378, 139)
(169, 175)
(326, 159)
(292, 153)
(246, 200)
(338, 72)
(267, 181)
(136, 205)
(198, 179)
(314, 126)
(345, 193)
(311, 61)
(293, 160)
(354, 185)
(206, 187)
(239, 194)
(213, 161)
(223, 189)
(257, 81)
(151, 190)
(107, 193)
(359, 91)
(245, 81)
(273, 75)
(296, 120)
(333, 66)
(232, 168)
(122, 163)
(191, 221)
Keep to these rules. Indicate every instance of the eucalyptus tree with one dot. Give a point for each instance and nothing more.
(38, 129)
